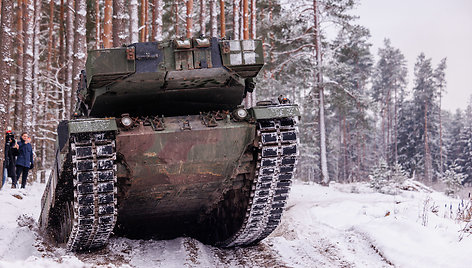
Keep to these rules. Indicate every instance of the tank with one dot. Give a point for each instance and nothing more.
(160, 146)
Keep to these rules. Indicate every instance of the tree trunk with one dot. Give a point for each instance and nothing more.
(38, 113)
(202, 17)
(440, 138)
(396, 128)
(319, 85)
(80, 45)
(108, 24)
(36, 54)
(157, 20)
(143, 21)
(213, 18)
(189, 19)
(146, 19)
(28, 68)
(236, 19)
(50, 29)
(222, 19)
(97, 24)
(69, 56)
(241, 18)
(18, 123)
(6, 36)
(176, 17)
(245, 20)
(253, 19)
(427, 164)
(62, 59)
(133, 21)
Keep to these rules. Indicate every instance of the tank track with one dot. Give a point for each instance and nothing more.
(276, 160)
(95, 192)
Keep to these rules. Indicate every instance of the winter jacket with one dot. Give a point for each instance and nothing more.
(25, 154)
(10, 159)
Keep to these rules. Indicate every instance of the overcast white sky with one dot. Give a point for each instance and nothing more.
(439, 28)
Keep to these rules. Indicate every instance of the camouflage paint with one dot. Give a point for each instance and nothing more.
(178, 173)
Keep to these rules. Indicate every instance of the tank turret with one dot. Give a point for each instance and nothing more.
(176, 77)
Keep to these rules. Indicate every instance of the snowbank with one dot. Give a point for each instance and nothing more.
(340, 226)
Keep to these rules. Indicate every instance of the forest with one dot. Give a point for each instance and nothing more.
(360, 118)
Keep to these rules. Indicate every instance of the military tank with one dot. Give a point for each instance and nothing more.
(160, 146)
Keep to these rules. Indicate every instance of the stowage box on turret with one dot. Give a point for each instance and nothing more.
(160, 146)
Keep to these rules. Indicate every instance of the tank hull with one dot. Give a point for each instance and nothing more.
(212, 176)
(169, 181)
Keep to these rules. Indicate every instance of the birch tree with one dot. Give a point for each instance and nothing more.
(69, 57)
(133, 21)
(320, 89)
(120, 16)
(236, 19)
(202, 19)
(80, 44)
(213, 19)
(157, 23)
(27, 117)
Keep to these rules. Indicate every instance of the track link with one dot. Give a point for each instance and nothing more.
(95, 191)
(276, 160)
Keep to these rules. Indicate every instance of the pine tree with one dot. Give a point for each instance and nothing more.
(388, 90)
(453, 179)
(6, 37)
(120, 18)
(380, 176)
(420, 124)
(440, 83)
(351, 67)
(464, 146)
(107, 24)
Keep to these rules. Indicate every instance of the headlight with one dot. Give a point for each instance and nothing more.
(126, 121)
(240, 114)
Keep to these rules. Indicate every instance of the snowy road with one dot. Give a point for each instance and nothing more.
(339, 226)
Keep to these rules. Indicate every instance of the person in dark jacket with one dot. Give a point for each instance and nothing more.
(11, 151)
(24, 161)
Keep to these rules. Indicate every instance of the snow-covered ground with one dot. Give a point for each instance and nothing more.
(337, 226)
